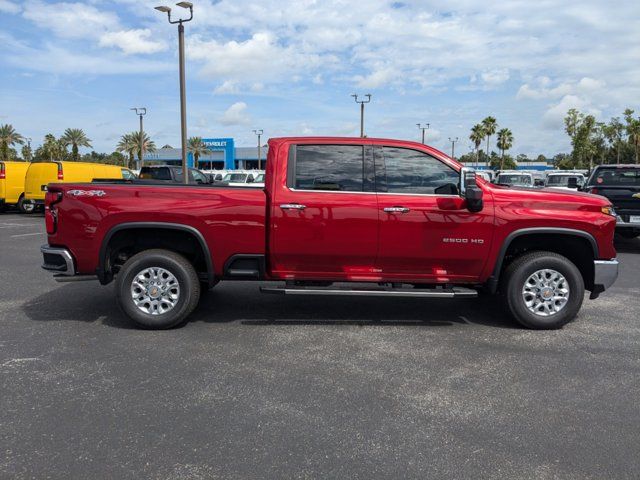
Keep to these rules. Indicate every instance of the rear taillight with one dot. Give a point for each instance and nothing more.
(3, 175)
(51, 198)
(593, 190)
(60, 172)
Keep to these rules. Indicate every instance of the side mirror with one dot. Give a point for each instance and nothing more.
(572, 182)
(469, 189)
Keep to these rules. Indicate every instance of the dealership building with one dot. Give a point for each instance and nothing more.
(223, 155)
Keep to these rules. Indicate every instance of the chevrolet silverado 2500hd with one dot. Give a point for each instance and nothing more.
(383, 217)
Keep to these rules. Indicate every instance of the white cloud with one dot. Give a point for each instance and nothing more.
(9, 7)
(236, 114)
(495, 77)
(71, 20)
(554, 116)
(132, 41)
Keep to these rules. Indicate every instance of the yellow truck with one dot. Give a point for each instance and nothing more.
(12, 176)
(42, 174)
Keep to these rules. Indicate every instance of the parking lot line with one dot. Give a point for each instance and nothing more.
(13, 225)
(27, 234)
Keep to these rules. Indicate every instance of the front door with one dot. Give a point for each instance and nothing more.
(324, 216)
(426, 232)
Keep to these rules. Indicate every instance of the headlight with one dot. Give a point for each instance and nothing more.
(609, 211)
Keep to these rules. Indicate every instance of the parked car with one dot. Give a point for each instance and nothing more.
(620, 184)
(564, 181)
(173, 174)
(413, 223)
(238, 179)
(39, 175)
(12, 176)
(515, 179)
(485, 174)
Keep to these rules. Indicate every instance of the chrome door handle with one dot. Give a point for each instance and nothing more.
(292, 206)
(397, 209)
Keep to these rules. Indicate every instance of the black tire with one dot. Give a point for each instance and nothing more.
(513, 282)
(25, 206)
(179, 267)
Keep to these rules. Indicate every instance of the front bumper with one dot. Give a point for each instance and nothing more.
(605, 275)
(58, 260)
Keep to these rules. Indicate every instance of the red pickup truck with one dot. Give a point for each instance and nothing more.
(377, 217)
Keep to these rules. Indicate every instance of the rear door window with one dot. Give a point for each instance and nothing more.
(337, 168)
(617, 176)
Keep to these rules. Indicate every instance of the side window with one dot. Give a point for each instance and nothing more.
(411, 171)
(127, 175)
(329, 167)
(198, 177)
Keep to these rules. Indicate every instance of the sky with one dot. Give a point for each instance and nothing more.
(290, 68)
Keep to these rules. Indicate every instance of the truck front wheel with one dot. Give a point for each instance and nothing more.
(157, 289)
(542, 290)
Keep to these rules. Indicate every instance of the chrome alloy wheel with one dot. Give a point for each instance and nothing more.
(155, 290)
(545, 292)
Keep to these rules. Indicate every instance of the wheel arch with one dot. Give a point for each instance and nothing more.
(104, 272)
(527, 237)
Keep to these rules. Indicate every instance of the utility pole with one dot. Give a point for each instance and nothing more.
(183, 95)
(423, 128)
(141, 112)
(362, 102)
(259, 133)
(453, 147)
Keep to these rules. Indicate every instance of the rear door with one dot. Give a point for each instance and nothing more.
(621, 185)
(39, 175)
(324, 214)
(426, 231)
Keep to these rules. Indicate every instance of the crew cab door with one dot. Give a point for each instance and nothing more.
(324, 213)
(426, 231)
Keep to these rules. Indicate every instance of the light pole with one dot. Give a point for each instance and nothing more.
(259, 133)
(141, 112)
(183, 97)
(423, 128)
(362, 102)
(453, 147)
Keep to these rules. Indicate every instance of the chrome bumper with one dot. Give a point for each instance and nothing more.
(605, 275)
(58, 260)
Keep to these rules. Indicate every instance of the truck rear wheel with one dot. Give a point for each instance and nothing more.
(543, 290)
(25, 206)
(157, 289)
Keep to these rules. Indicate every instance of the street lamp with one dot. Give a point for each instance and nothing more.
(423, 128)
(183, 98)
(259, 133)
(362, 102)
(453, 147)
(141, 112)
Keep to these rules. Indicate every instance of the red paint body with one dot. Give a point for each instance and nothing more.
(342, 236)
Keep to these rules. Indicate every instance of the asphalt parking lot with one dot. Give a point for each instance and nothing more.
(259, 386)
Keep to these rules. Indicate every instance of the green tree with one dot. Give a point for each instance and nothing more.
(147, 144)
(632, 128)
(477, 135)
(51, 149)
(128, 145)
(490, 125)
(614, 132)
(76, 138)
(8, 138)
(27, 154)
(197, 147)
(505, 142)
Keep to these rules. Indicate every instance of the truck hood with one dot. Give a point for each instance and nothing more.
(548, 194)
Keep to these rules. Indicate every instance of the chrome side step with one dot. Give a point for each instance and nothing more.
(455, 292)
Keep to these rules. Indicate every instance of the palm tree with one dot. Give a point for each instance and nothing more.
(477, 135)
(8, 137)
(147, 144)
(197, 147)
(505, 142)
(490, 126)
(633, 130)
(128, 145)
(76, 138)
(54, 149)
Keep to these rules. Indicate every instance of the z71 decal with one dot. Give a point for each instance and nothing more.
(86, 193)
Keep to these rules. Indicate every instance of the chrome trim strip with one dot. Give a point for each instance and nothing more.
(375, 193)
(453, 293)
(65, 254)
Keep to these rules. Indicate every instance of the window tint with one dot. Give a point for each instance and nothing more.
(617, 176)
(410, 171)
(329, 167)
(155, 173)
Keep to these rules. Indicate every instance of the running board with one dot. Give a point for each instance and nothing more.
(455, 292)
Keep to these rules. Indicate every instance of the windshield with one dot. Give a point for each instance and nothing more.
(562, 180)
(514, 179)
(235, 177)
(617, 176)
(260, 178)
(149, 173)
